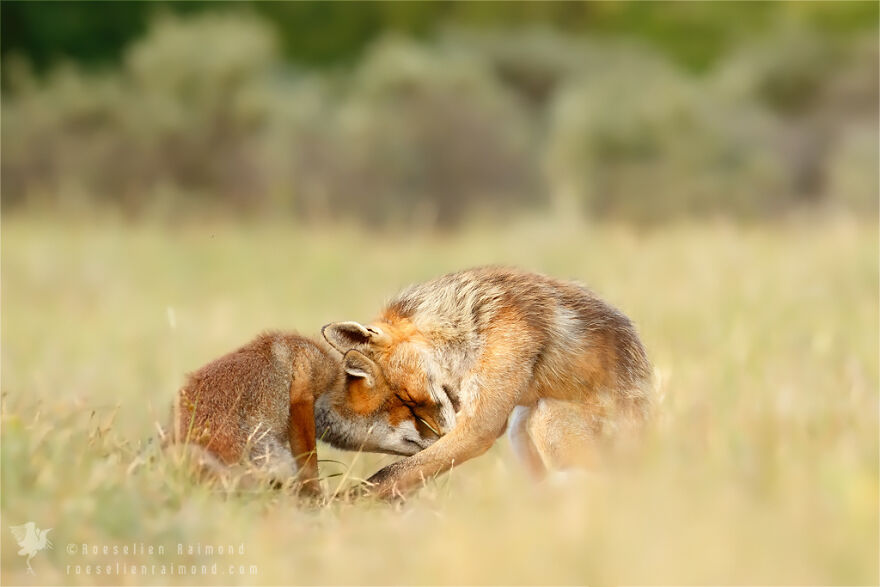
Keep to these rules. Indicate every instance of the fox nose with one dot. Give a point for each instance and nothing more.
(413, 444)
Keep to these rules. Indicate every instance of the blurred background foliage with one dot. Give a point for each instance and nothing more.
(430, 114)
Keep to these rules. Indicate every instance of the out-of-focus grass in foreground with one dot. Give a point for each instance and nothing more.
(762, 466)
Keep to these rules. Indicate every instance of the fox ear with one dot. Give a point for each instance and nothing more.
(344, 336)
(357, 364)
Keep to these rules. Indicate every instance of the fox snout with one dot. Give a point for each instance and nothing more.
(406, 437)
(408, 442)
(399, 440)
(343, 427)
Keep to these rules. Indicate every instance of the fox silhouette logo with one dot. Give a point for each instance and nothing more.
(31, 540)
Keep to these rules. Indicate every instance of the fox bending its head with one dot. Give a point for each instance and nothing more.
(449, 362)
(398, 415)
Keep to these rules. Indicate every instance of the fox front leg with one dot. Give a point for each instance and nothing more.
(399, 478)
(301, 434)
(477, 428)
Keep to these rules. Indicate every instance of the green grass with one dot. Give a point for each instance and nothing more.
(762, 466)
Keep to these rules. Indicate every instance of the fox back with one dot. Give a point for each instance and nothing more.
(575, 341)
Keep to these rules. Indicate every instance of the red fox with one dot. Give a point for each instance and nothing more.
(454, 361)
(256, 407)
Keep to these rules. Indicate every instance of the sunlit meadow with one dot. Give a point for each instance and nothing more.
(761, 466)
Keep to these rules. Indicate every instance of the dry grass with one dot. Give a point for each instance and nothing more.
(762, 468)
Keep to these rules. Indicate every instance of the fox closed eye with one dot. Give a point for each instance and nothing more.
(406, 399)
(425, 422)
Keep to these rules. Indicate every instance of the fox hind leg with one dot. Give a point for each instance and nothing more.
(522, 444)
(563, 433)
(273, 461)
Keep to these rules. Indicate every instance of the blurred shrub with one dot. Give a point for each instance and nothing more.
(203, 110)
(431, 135)
(193, 106)
(633, 138)
(202, 114)
(55, 133)
(849, 106)
(786, 71)
(852, 170)
(411, 136)
(818, 86)
(853, 88)
(532, 62)
(178, 118)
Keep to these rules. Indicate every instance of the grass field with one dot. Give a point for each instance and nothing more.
(762, 466)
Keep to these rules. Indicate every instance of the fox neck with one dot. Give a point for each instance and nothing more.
(337, 430)
(325, 368)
